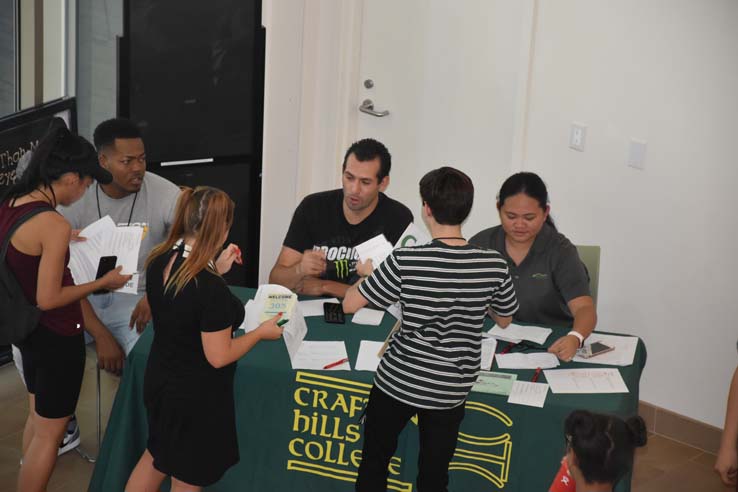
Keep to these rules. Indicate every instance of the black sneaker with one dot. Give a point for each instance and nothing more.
(71, 437)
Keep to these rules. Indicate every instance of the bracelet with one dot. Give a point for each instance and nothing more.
(578, 335)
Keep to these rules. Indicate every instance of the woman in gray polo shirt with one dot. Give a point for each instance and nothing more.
(551, 282)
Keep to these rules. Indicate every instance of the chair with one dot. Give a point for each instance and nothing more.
(590, 256)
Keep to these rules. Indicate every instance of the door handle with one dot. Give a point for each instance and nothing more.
(368, 107)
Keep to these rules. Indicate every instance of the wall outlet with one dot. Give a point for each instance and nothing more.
(577, 136)
(637, 154)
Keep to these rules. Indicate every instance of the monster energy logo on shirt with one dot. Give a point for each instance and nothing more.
(343, 258)
(342, 268)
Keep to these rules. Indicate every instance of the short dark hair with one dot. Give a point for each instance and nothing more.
(369, 149)
(107, 131)
(604, 444)
(449, 193)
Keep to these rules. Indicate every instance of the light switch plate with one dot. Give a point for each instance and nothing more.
(637, 153)
(577, 136)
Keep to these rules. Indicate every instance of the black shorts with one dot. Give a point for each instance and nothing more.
(53, 366)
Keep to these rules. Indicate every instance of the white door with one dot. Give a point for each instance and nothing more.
(448, 72)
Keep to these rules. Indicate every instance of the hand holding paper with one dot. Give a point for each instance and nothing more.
(375, 249)
(269, 329)
(519, 332)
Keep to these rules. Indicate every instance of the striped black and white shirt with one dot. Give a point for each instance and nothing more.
(433, 360)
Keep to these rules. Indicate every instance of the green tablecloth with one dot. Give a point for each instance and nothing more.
(299, 430)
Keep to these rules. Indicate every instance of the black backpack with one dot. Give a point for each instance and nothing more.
(18, 317)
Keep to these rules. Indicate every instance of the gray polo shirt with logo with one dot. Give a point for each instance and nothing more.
(546, 280)
(153, 210)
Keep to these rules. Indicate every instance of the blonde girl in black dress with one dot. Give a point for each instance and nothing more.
(188, 384)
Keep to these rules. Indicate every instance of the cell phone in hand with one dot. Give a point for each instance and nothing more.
(333, 313)
(106, 264)
(594, 349)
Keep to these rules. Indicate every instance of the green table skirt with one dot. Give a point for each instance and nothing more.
(300, 431)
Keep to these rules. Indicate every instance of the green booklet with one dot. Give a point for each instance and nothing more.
(498, 383)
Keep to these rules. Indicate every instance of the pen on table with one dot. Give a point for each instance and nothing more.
(535, 376)
(337, 363)
(509, 347)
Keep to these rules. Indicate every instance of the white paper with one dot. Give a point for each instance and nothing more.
(489, 345)
(526, 393)
(247, 324)
(317, 355)
(396, 311)
(517, 360)
(294, 333)
(623, 355)
(413, 236)
(294, 330)
(375, 249)
(366, 316)
(125, 243)
(368, 360)
(315, 308)
(103, 238)
(605, 380)
(535, 334)
(500, 338)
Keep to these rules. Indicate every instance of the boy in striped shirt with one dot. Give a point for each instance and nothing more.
(445, 288)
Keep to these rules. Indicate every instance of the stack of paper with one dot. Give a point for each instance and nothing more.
(489, 345)
(103, 238)
(366, 316)
(412, 236)
(514, 333)
(607, 380)
(267, 297)
(368, 358)
(623, 355)
(534, 360)
(531, 394)
(321, 356)
(375, 249)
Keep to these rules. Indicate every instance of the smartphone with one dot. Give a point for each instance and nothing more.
(106, 264)
(594, 349)
(333, 313)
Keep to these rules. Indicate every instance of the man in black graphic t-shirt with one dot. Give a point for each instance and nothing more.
(318, 256)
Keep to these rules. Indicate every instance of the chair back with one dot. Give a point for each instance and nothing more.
(590, 256)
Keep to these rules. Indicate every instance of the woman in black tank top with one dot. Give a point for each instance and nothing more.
(60, 170)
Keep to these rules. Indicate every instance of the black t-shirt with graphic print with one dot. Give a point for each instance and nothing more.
(319, 223)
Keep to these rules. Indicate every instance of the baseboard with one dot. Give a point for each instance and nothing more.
(680, 428)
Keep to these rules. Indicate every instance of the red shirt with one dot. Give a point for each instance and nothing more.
(64, 320)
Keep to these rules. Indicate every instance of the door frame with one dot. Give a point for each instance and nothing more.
(309, 123)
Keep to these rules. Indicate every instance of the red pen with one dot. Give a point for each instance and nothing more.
(337, 363)
(509, 347)
(535, 376)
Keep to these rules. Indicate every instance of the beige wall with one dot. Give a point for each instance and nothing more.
(663, 71)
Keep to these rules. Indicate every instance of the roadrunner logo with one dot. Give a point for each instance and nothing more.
(342, 268)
